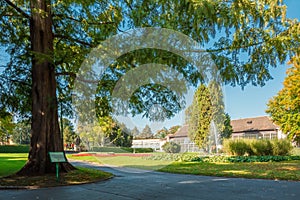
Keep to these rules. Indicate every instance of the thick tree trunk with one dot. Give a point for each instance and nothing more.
(45, 134)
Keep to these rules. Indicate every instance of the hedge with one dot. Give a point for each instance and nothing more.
(14, 148)
(121, 149)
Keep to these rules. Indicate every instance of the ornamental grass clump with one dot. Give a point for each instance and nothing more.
(281, 147)
(237, 147)
(261, 147)
(253, 147)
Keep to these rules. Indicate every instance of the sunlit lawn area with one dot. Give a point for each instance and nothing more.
(124, 161)
(289, 170)
(11, 162)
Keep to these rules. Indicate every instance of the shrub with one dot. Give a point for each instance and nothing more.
(295, 151)
(108, 149)
(227, 146)
(185, 157)
(237, 147)
(171, 147)
(164, 157)
(142, 150)
(242, 147)
(261, 147)
(281, 147)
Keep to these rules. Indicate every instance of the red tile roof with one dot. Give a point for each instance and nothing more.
(263, 123)
(181, 132)
(253, 124)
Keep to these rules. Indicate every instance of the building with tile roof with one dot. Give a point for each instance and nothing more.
(254, 128)
(181, 137)
(257, 128)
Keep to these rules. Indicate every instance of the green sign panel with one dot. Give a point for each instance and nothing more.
(57, 157)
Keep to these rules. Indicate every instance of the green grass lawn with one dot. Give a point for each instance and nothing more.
(287, 170)
(124, 161)
(11, 162)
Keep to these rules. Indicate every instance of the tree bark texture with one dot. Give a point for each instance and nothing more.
(45, 133)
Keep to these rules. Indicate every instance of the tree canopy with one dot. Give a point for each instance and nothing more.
(146, 133)
(68, 131)
(21, 132)
(173, 129)
(135, 132)
(162, 133)
(6, 125)
(284, 108)
(249, 38)
(105, 132)
(226, 131)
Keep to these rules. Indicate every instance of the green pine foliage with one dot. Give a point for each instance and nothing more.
(200, 116)
(226, 132)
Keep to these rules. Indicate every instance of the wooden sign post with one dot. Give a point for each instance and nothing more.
(57, 157)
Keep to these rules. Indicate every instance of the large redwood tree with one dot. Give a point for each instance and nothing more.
(45, 133)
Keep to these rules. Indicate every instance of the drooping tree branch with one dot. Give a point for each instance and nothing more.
(73, 39)
(72, 74)
(20, 81)
(283, 33)
(19, 10)
(129, 5)
(80, 21)
(235, 47)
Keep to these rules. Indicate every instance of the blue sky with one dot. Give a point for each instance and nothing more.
(251, 101)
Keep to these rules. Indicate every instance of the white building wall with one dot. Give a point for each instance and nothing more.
(155, 144)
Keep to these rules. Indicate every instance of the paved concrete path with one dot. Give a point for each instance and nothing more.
(139, 184)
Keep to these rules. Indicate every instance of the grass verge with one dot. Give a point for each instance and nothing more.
(11, 163)
(285, 170)
(75, 177)
(289, 170)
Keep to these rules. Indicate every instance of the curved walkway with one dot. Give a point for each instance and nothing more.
(139, 184)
